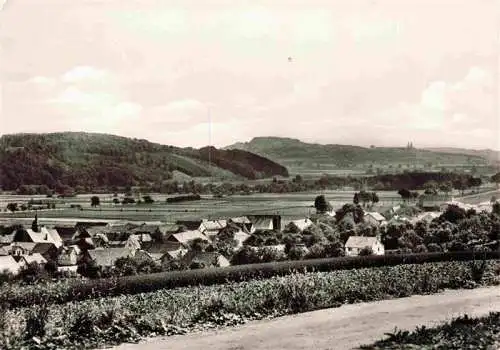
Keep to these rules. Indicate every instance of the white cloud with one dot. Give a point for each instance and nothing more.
(41, 80)
(83, 73)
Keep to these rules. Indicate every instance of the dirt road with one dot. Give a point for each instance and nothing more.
(341, 328)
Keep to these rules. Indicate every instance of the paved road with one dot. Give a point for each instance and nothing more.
(341, 328)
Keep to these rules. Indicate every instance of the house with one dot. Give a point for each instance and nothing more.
(21, 248)
(10, 265)
(205, 259)
(66, 232)
(375, 219)
(356, 243)
(166, 250)
(243, 222)
(266, 222)
(36, 258)
(48, 250)
(42, 235)
(426, 217)
(397, 219)
(210, 228)
(69, 256)
(299, 225)
(186, 237)
(106, 257)
(190, 225)
(236, 232)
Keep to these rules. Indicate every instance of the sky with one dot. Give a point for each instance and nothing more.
(192, 73)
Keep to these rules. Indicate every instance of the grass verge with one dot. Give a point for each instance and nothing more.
(128, 318)
(462, 333)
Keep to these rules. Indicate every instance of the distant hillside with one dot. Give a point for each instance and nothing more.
(100, 160)
(490, 155)
(297, 154)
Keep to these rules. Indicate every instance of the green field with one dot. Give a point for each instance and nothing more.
(289, 206)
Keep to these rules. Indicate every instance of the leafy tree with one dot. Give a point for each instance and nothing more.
(446, 187)
(404, 193)
(355, 199)
(246, 255)
(454, 214)
(148, 200)
(366, 251)
(322, 205)
(355, 210)
(431, 187)
(12, 207)
(496, 208)
(496, 178)
(199, 245)
(375, 198)
(296, 253)
(95, 201)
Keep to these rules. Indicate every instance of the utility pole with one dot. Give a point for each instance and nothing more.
(209, 139)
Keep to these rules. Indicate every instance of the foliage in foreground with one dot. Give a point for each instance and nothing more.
(461, 333)
(128, 318)
(75, 290)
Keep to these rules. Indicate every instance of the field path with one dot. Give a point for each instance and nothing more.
(340, 328)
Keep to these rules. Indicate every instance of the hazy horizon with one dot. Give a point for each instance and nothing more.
(355, 72)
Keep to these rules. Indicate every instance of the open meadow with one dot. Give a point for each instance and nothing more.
(288, 205)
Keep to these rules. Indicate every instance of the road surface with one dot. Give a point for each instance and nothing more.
(340, 328)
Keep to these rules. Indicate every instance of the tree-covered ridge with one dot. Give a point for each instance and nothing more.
(99, 160)
(295, 152)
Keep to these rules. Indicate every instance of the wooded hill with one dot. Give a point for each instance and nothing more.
(297, 154)
(94, 160)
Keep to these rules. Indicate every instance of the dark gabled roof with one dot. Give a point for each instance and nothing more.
(66, 232)
(146, 229)
(86, 224)
(161, 247)
(43, 248)
(190, 224)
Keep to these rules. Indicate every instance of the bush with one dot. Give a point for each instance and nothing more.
(86, 289)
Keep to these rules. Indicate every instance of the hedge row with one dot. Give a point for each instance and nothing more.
(74, 290)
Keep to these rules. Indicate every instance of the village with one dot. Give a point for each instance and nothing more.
(69, 248)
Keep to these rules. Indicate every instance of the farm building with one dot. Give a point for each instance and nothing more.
(375, 219)
(266, 222)
(106, 257)
(243, 222)
(186, 237)
(355, 244)
(190, 225)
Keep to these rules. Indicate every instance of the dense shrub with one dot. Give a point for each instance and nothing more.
(84, 289)
(461, 333)
(112, 320)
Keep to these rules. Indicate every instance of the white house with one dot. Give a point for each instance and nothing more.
(375, 219)
(8, 264)
(356, 243)
(426, 217)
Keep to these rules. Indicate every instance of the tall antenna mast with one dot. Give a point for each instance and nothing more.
(209, 139)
